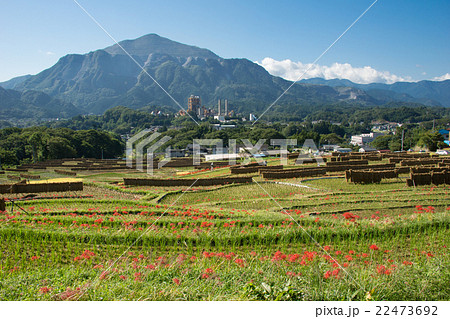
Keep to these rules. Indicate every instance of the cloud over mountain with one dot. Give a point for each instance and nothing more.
(444, 77)
(290, 70)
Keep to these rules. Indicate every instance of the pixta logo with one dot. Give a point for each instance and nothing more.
(141, 149)
(146, 142)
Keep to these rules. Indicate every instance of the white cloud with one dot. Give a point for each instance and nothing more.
(290, 70)
(444, 77)
(46, 52)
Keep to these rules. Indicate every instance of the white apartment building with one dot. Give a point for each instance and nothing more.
(364, 139)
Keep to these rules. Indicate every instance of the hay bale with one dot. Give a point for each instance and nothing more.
(2, 205)
(421, 179)
(438, 178)
(447, 177)
(388, 174)
(348, 175)
(409, 182)
(62, 172)
(186, 182)
(403, 170)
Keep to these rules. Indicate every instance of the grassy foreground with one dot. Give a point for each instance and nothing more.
(327, 241)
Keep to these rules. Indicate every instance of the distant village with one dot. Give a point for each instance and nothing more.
(228, 119)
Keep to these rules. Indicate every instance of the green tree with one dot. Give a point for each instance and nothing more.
(431, 140)
(59, 147)
(382, 142)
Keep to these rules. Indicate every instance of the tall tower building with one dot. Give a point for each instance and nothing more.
(226, 108)
(219, 107)
(194, 104)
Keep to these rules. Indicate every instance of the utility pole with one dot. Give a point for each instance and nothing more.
(403, 135)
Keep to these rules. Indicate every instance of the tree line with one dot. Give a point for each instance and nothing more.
(26, 145)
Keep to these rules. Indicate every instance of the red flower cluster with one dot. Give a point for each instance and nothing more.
(45, 290)
(350, 216)
(85, 255)
(138, 276)
(334, 273)
(293, 274)
(240, 262)
(383, 270)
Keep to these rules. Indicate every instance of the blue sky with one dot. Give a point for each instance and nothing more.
(408, 39)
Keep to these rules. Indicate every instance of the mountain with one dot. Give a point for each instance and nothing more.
(10, 84)
(102, 79)
(31, 105)
(425, 92)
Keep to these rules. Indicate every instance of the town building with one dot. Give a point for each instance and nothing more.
(194, 104)
(364, 139)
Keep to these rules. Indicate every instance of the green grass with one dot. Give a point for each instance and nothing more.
(60, 248)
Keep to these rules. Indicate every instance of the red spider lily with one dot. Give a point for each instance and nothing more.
(176, 281)
(98, 266)
(383, 270)
(206, 254)
(138, 276)
(293, 274)
(338, 252)
(349, 258)
(34, 258)
(205, 276)
(14, 269)
(123, 277)
(229, 256)
(45, 290)
(407, 263)
(209, 271)
(85, 255)
(327, 274)
(103, 275)
(278, 256)
(326, 248)
(350, 216)
(309, 255)
(374, 247)
(240, 262)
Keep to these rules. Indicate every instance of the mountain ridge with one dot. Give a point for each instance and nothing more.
(426, 92)
(101, 79)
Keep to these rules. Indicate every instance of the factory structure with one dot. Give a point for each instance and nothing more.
(195, 107)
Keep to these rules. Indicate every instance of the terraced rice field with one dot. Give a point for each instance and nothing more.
(318, 239)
